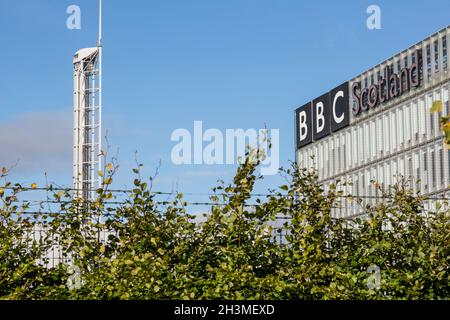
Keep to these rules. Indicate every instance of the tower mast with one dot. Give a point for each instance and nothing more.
(100, 61)
(87, 131)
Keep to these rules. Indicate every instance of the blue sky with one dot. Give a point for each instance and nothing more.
(231, 64)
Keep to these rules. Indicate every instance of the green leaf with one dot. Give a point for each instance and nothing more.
(436, 107)
(128, 262)
(446, 130)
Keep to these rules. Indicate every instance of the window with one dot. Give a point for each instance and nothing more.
(446, 106)
(316, 157)
(425, 171)
(422, 116)
(338, 156)
(361, 144)
(433, 169)
(405, 62)
(419, 62)
(376, 137)
(381, 176)
(444, 52)
(428, 61)
(369, 187)
(373, 140)
(366, 138)
(395, 166)
(326, 159)
(305, 159)
(437, 96)
(431, 124)
(363, 184)
(401, 167)
(348, 142)
(374, 177)
(320, 160)
(342, 143)
(417, 166)
(410, 167)
(331, 169)
(379, 128)
(386, 137)
(354, 150)
(429, 103)
(393, 133)
(448, 160)
(441, 166)
(388, 174)
(436, 56)
(418, 179)
(414, 121)
(344, 167)
(399, 67)
(306, 163)
(400, 127)
(407, 126)
(335, 156)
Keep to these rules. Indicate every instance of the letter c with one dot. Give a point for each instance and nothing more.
(339, 94)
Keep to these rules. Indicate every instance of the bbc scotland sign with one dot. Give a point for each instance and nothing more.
(331, 112)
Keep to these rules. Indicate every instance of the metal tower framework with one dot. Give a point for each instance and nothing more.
(87, 120)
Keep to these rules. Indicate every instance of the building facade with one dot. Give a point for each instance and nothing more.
(378, 126)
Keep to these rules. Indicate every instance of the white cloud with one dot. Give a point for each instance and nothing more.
(39, 141)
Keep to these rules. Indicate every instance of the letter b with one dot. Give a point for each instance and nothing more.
(303, 124)
(303, 128)
(321, 113)
(320, 120)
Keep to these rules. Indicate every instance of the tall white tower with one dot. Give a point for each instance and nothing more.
(87, 120)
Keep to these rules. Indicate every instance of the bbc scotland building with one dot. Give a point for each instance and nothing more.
(378, 126)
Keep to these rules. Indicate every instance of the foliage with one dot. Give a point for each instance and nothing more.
(144, 250)
(444, 121)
